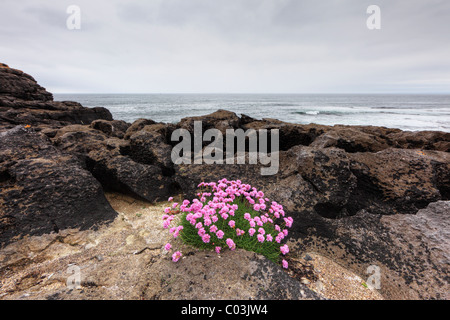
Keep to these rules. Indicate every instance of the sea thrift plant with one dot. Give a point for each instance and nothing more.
(228, 215)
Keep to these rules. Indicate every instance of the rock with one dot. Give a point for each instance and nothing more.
(307, 257)
(113, 128)
(249, 276)
(44, 190)
(129, 264)
(351, 140)
(425, 140)
(112, 161)
(290, 135)
(24, 102)
(124, 175)
(412, 251)
(20, 85)
(319, 179)
(150, 146)
(188, 176)
(399, 181)
(305, 281)
(221, 120)
(136, 126)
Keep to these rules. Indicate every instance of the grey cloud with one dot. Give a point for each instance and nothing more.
(234, 45)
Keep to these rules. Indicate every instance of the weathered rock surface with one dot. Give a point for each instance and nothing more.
(113, 128)
(127, 260)
(43, 189)
(412, 251)
(24, 102)
(119, 165)
(17, 84)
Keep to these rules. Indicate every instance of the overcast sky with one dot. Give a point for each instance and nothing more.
(229, 46)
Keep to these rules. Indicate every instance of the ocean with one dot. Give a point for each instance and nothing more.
(407, 112)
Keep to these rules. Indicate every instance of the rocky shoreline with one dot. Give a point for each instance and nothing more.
(359, 195)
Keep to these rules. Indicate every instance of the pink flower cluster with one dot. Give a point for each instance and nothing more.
(214, 213)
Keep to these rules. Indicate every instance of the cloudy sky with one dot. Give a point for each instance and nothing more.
(229, 46)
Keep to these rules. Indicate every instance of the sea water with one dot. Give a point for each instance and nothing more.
(407, 112)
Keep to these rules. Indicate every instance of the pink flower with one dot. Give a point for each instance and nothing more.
(232, 224)
(166, 223)
(168, 247)
(201, 232)
(231, 244)
(256, 207)
(251, 232)
(285, 264)
(206, 238)
(284, 249)
(260, 237)
(176, 256)
(174, 205)
(167, 210)
(220, 234)
(262, 231)
(218, 250)
(269, 238)
(247, 216)
(213, 228)
(170, 199)
(252, 223)
(288, 222)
